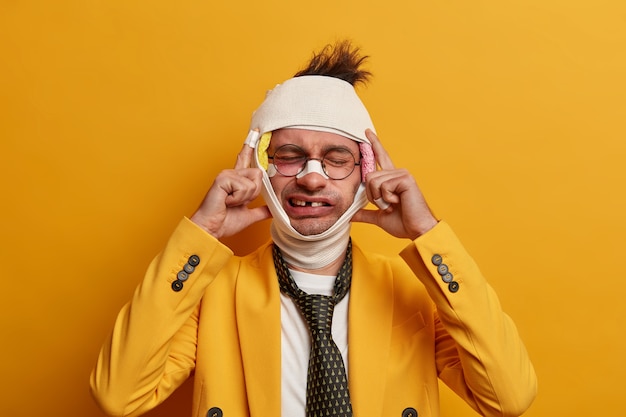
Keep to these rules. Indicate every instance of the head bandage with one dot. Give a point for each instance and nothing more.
(318, 103)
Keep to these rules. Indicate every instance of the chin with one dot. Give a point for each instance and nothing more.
(311, 227)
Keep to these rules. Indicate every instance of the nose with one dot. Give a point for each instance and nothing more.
(313, 175)
(312, 166)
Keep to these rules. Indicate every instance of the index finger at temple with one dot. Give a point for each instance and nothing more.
(382, 157)
(244, 158)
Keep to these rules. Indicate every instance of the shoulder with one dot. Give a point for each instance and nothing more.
(258, 261)
(376, 260)
(390, 268)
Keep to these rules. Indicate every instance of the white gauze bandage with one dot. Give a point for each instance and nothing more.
(319, 103)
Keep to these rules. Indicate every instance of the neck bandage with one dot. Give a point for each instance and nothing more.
(319, 103)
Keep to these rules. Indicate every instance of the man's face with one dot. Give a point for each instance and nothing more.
(312, 202)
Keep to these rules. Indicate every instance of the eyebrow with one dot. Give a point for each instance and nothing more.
(323, 149)
(332, 147)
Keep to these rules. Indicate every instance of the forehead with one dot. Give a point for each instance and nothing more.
(311, 140)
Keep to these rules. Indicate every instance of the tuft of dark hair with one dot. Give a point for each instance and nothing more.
(340, 60)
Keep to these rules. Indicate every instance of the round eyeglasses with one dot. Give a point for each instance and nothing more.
(337, 163)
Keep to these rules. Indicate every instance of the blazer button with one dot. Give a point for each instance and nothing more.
(453, 286)
(182, 276)
(436, 260)
(194, 260)
(409, 412)
(442, 269)
(189, 268)
(214, 412)
(448, 277)
(177, 285)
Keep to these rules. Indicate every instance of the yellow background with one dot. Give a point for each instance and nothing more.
(115, 116)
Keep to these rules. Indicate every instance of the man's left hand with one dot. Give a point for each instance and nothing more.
(407, 215)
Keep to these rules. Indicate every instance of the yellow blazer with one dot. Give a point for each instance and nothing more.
(406, 328)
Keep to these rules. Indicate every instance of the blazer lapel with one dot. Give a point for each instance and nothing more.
(258, 321)
(369, 332)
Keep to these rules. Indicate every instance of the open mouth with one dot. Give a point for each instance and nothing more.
(302, 203)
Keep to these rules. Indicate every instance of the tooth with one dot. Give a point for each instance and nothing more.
(302, 203)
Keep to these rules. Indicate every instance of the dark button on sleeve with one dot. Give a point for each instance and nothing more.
(436, 260)
(442, 269)
(214, 412)
(194, 260)
(448, 277)
(409, 412)
(182, 276)
(453, 286)
(177, 285)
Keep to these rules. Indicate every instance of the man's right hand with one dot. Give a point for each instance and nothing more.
(224, 210)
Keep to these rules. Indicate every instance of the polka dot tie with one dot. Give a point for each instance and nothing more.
(327, 383)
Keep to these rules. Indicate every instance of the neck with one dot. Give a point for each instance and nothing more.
(311, 253)
(330, 269)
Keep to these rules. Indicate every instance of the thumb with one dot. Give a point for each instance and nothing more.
(366, 216)
(259, 213)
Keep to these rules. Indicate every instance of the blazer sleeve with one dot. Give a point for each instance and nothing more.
(152, 348)
(479, 353)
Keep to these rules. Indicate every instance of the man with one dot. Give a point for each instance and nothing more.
(309, 324)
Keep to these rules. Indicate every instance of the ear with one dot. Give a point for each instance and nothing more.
(368, 162)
